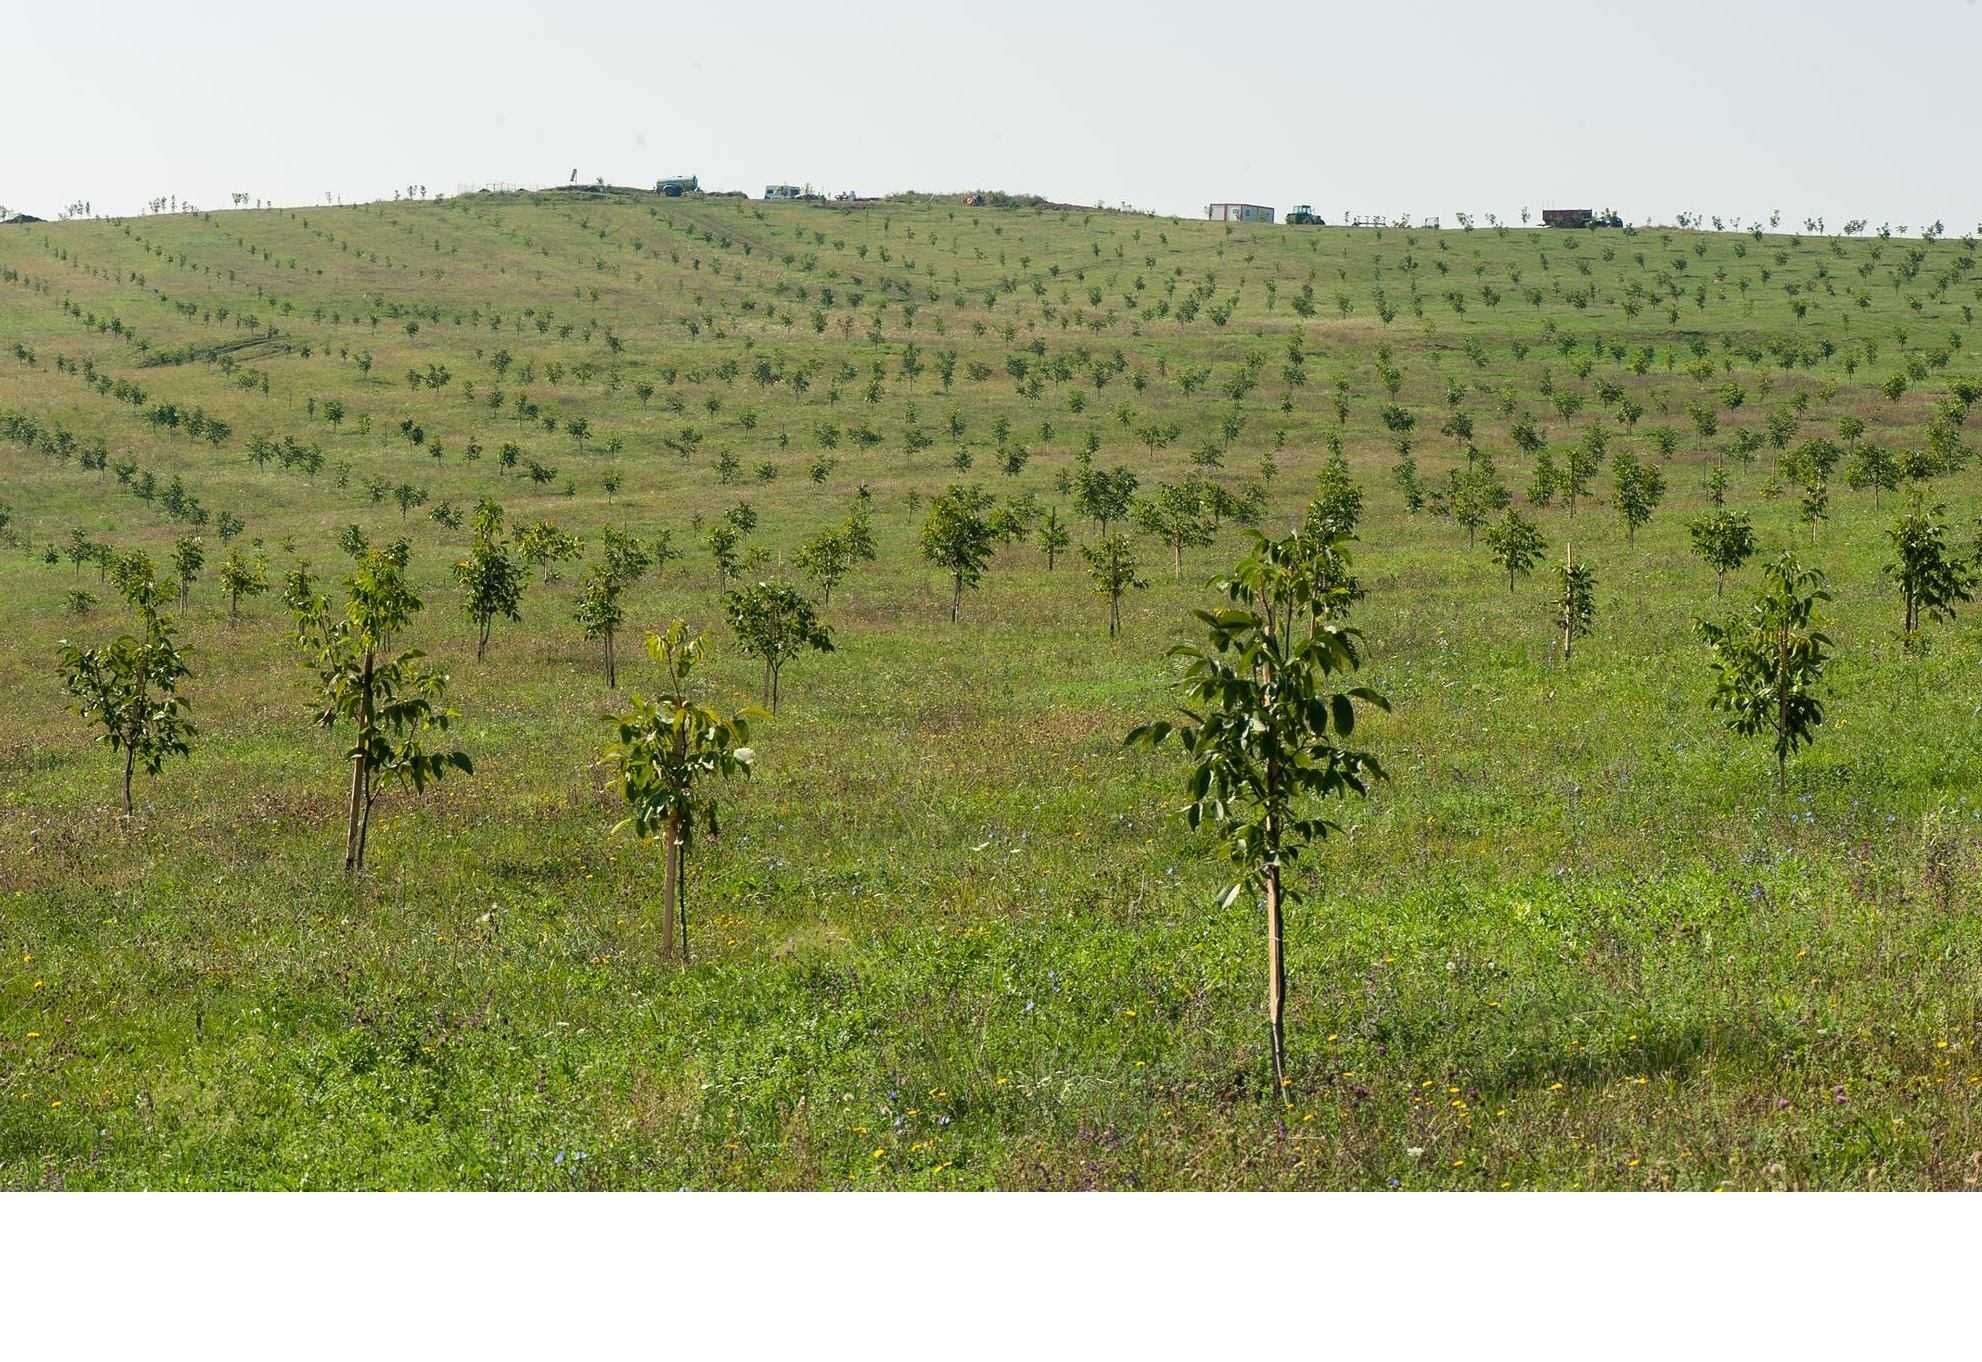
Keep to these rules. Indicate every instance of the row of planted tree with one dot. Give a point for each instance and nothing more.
(1264, 720)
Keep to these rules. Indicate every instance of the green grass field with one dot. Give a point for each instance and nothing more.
(954, 935)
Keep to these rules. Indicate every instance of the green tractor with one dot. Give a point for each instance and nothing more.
(1303, 215)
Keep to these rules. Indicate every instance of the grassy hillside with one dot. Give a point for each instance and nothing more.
(953, 935)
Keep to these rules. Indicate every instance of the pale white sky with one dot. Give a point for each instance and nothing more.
(1821, 108)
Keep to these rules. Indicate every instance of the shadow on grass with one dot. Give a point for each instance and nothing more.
(1676, 1052)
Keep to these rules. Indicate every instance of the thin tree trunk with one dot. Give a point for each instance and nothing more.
(354, 846)
(138, 710)
(1276, 964)
(670, 882)
(1568, 615)
(1782, 711)
(365, 825)
(1276, 981)
(353, 813)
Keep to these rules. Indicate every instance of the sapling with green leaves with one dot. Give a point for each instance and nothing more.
(1516, 545)
(188, 558)
(670, 752)
(1931, 580)
(1332, 585)
(1266, 731)
(1640, 487)
(352, 542)
(1113, 566)
(1472, 496)
(1769, 660)
(1814, 507)
(1405, 474)
(1546, 480)
(958, 539)
(1724, 541)
(723, 541)
(775, 623)
(543, 546)
(130, 687)
(1575, 603)
(1871, 466)
(826, 558)
(1585, 460)
(1102, 495)
(241, 575)
(1053, 536)
(661, 551)
(624, 556)
(600, 613)
(1337, 507)
(1716, 486)
(394, 703)
(1013, 521)
(1179, 515)
(491, 577)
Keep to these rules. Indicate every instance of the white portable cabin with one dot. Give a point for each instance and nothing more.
(1238, 212)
